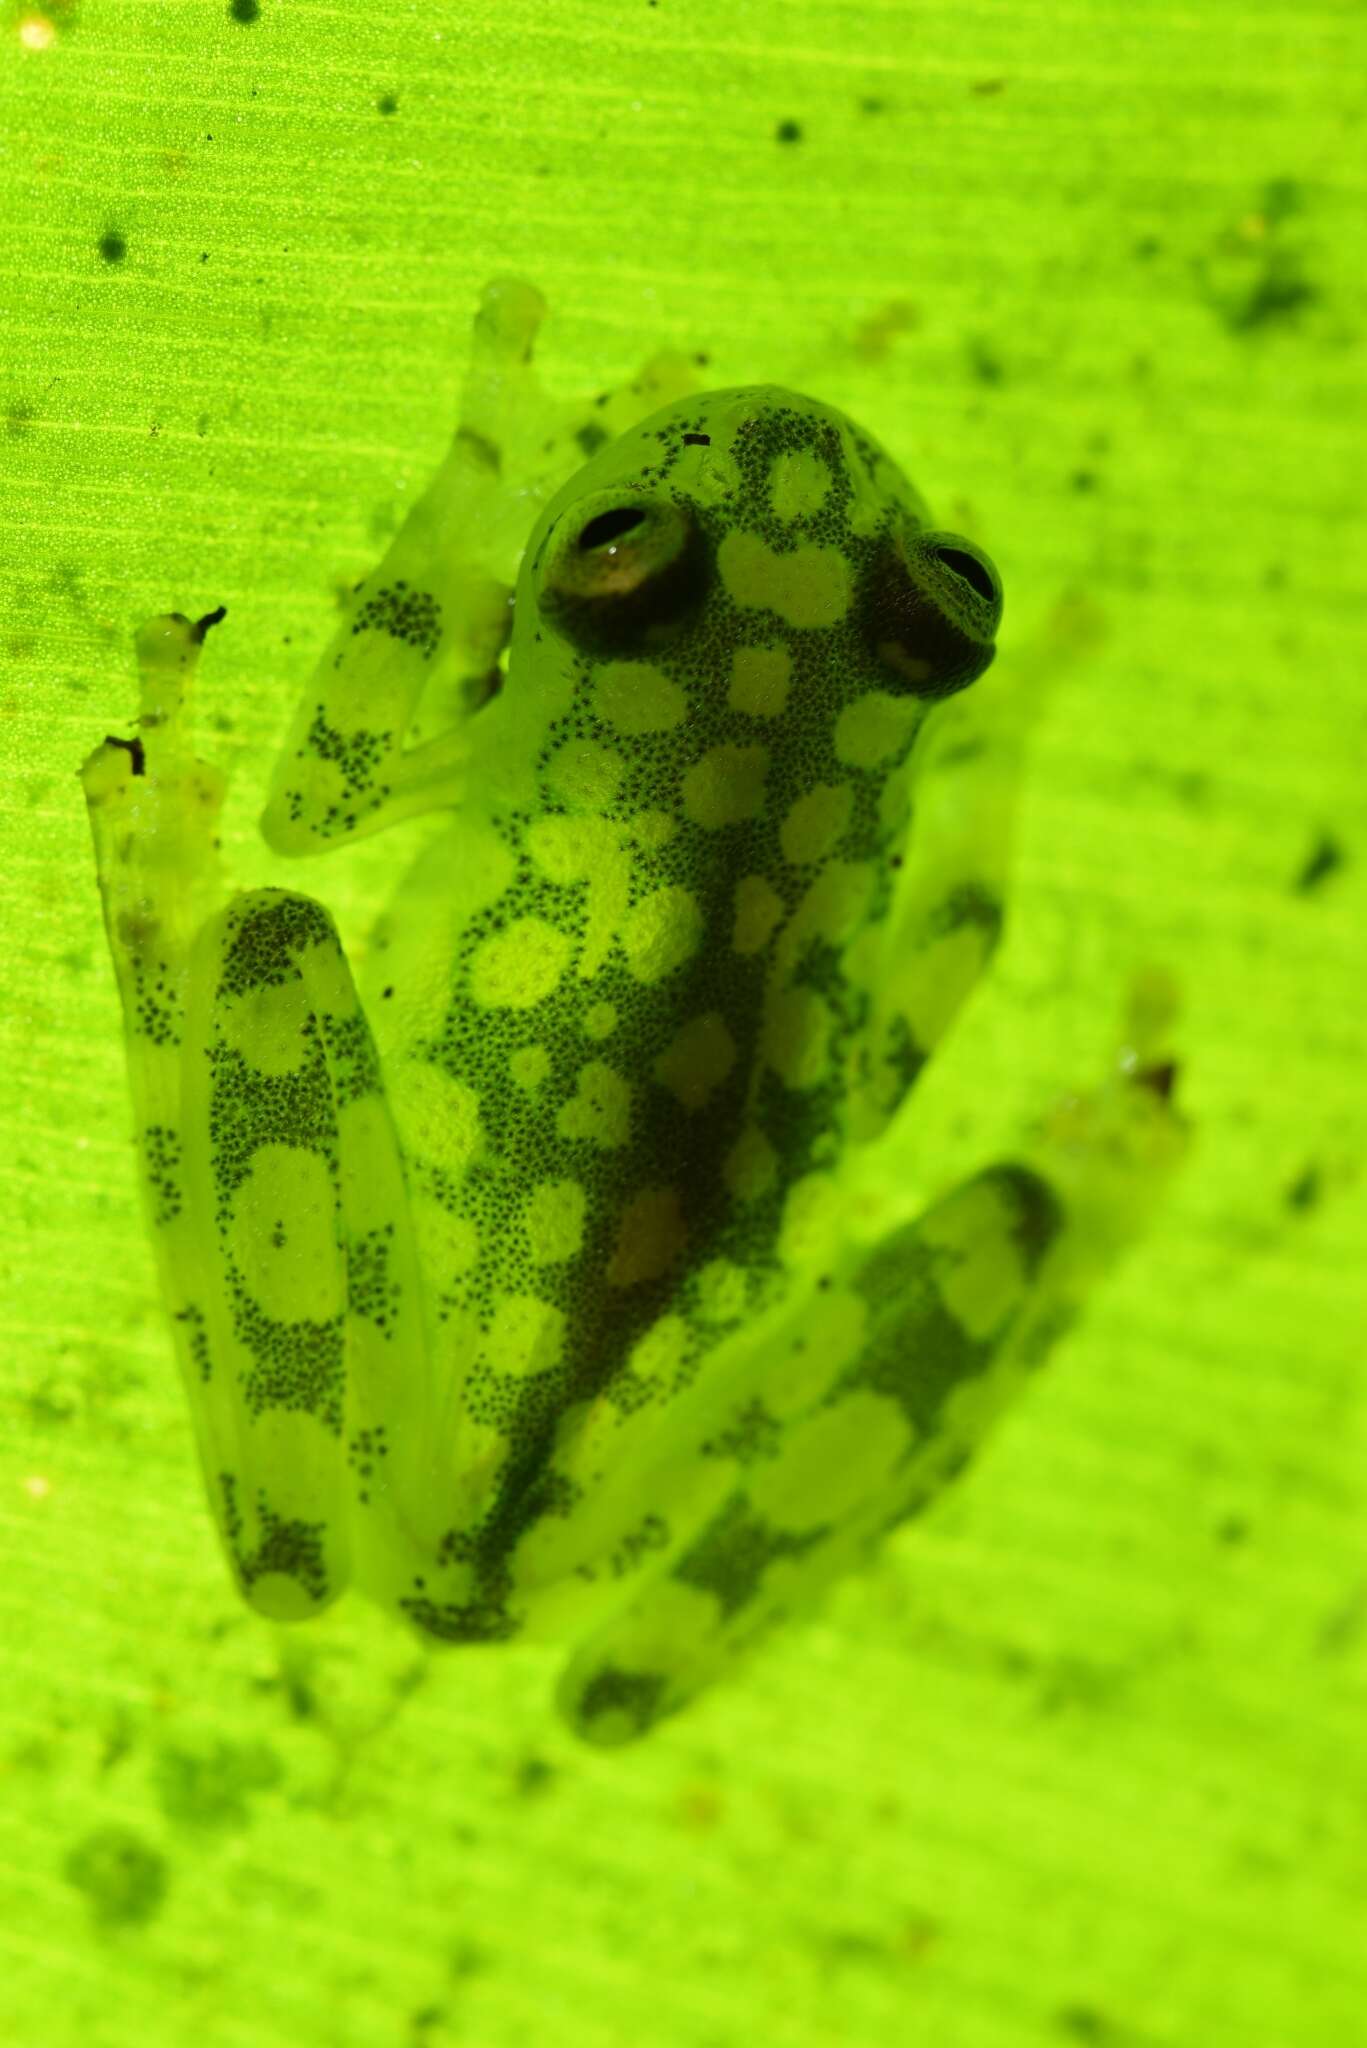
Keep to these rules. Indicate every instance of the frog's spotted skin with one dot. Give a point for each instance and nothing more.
(584, 1305)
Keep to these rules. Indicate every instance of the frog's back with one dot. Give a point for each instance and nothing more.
(729, 629)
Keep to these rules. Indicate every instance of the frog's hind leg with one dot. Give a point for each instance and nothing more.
(381, 731)
(270, 1172)
(877, 1391)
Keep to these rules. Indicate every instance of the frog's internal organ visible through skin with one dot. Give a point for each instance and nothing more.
(555, 1281)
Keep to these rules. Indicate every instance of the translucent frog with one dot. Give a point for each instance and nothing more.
(560, 1281)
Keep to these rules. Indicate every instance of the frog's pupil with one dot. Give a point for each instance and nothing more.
(970, 568)
(609, 526)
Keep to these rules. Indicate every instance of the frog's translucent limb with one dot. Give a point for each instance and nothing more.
(154, 812)
(876, 1393)
(376, 739)
(961, 789)
(269, 1170)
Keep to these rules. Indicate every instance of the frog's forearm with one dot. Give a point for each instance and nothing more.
(436, 609)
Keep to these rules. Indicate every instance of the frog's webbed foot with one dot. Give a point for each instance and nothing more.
(875, 1387)
(381, 733)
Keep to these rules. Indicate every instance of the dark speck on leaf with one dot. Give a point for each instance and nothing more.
(788, 131)
(1084, 2023)
(1279, 294)
(122, 1876)
(1305, 1190)
(387, 103)
(1281, 197)
(245, 11)
(984, 364)
(697, 440)
(1325, 857)
(534, 1774)
(113, 247)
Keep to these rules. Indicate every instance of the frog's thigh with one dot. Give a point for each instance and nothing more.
(944, 1300)
(307, 1318)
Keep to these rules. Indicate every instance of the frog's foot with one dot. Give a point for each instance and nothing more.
(877, 1390)
(381, 733)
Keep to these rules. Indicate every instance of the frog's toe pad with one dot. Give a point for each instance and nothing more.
(610, 1704)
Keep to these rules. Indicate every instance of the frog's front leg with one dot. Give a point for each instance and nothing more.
(381, 731)
(852, 1409)
(272, 1179)
(958, 791)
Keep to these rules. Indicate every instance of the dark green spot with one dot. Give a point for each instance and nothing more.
(210, 1788)
(1279, 293)
(123, 1878)
(1281, 198)
(591, 437)
(730, 1557)
(1084, 2023)
(1326, 856)
(984, 363)
(112, 246)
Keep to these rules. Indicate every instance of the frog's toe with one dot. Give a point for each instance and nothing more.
(644, 1665)
(610, 1704)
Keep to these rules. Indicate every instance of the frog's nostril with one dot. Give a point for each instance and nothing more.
(972, 568)
(610, 526)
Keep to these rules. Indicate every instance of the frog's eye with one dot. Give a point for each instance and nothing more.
(627, 572)
(930, 610)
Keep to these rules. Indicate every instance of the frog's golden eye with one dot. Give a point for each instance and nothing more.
(627, 572)
(930, 610)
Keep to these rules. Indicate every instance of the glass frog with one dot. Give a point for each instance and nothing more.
(563, 1281)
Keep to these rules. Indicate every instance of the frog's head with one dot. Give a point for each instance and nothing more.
(743, 571)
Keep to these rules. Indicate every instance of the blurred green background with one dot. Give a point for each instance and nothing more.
(1083, 1760)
